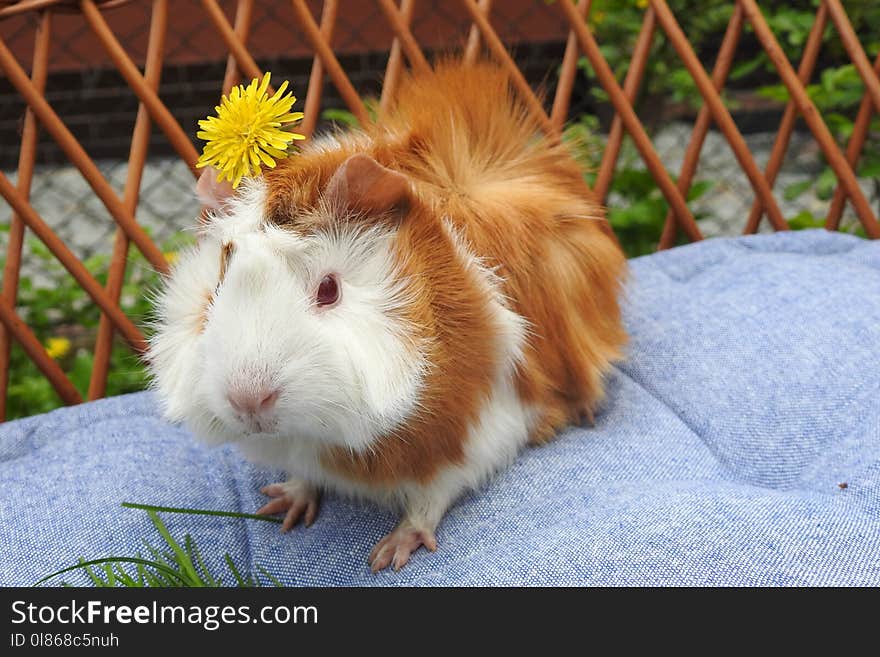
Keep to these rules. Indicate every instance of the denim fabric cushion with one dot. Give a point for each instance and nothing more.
(751, 391)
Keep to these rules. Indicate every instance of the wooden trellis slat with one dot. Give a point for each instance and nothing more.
(630, 121)
(35, 351)
(71, 263)
(160, 114)
(405, 49)
(853, 151)
(334, 68)
(854, 49)
(472, 49)
(26, 158)
(312, 107)
(244, 12)
(140, 142)
(567, 72)
(691, 159)
(400, 27)
(236, 46)
(26, 6)
(78, 156)
(720, 113)
(789, 117)
(395, 59)
(813, 119)
(631, 84)
(499, 52)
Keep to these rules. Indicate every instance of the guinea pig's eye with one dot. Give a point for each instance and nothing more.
(328, 291)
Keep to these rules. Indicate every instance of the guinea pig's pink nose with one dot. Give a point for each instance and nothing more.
(252, 401)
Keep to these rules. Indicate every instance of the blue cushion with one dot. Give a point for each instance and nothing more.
(750, 392)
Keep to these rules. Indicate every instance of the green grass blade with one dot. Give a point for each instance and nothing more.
(154, 581)
(157, 555)
(240, 580)
(201, 512)
(187, 568)
(167, 558)
(97, 581)
(270, 577)
(142, 574)
(194, 554)
(97, 562)
(167, 561)
(126, 579)
(111, 576)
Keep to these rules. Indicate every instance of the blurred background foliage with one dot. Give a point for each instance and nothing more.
(65, 318)
(637, 209)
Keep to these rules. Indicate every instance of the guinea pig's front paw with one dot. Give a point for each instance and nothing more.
(295, 497)
(397, 547)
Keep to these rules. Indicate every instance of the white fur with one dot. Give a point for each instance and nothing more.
(492, 443)
(346, 375)
(334, 141)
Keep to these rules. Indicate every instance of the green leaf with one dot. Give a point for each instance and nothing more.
(342, 116)
(794, 190)
(870, 169)
(805, 219)
(699, 188)
(825, 184)
(778, 92)
(743, 69)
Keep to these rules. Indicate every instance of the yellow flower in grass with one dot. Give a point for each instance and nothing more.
(247, 131)
(57, 347)
(171, 257)
(642, 4)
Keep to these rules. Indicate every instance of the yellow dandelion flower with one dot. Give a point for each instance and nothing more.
(57, 347)
(642, 4)
(170, 257)
(598, 17)
(247, 131)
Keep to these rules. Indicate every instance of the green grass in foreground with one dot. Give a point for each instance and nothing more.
(175, 564)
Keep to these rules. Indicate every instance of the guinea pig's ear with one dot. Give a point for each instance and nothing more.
(211, 193)
(363, 185)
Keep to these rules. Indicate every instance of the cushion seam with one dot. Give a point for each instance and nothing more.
(655, 395)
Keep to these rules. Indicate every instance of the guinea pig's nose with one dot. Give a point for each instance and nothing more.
(252, 401)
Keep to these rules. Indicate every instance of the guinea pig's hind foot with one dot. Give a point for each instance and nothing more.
(397, 547)
(296, 498)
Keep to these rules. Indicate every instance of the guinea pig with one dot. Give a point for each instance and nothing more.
(393, 313)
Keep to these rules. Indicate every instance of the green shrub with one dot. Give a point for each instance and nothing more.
(836, 89)
(65, 319)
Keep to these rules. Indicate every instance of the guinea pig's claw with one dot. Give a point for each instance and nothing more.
(398, 546)
(295, 499)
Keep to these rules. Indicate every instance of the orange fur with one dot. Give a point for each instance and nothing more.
(475, 158)
(451, 310)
